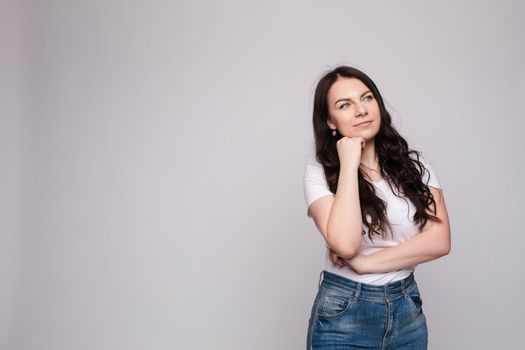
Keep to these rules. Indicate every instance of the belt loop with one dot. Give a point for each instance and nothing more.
(403, 286)
(357, 290)
(321, 277)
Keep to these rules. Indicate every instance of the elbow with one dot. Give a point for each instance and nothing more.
(442, 252)
(346, 250)
(349, 253)
(442, 243)
(445, 249)
(345, 247)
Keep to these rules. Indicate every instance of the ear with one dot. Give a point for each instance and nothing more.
(330, 124)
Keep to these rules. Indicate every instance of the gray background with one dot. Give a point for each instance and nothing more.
(152, 158)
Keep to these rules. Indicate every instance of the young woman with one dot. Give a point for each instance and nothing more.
(380, 209)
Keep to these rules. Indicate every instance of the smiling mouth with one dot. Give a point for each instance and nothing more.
(364, 123)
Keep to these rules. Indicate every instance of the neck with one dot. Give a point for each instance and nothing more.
(369, 155)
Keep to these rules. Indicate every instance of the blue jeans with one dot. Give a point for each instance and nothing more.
(347, 314)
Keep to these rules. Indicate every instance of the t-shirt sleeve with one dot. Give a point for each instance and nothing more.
(429, 175)
(315, 185)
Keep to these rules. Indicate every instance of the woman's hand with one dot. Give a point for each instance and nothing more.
(357, 263)
(349, 151)
(336, 259)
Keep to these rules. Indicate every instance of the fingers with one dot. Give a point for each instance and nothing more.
(333, 257)
(336, 259)
(339, 264)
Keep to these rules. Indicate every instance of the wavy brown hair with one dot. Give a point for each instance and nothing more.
(400, 166)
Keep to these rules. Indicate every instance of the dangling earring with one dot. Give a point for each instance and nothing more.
(334, 132)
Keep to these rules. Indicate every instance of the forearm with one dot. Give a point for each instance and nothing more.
(345, 223)
(425, 246)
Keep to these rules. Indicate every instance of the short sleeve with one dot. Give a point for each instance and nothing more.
(429, 175)
(315, 185)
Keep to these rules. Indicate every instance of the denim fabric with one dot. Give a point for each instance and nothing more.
(351, 315)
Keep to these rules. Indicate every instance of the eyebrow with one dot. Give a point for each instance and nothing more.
(349, 99)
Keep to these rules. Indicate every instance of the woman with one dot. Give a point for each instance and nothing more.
(380, 208)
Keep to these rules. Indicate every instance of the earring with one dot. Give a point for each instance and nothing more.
(334, 132)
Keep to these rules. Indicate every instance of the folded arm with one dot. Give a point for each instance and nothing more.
(431, 243)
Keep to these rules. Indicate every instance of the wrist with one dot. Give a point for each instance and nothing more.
(348, 168)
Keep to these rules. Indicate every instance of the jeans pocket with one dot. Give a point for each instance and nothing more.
(415, 300)
(332, 304)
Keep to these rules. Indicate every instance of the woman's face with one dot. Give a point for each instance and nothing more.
(350, 103)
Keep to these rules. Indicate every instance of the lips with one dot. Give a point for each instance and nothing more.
(368, 121)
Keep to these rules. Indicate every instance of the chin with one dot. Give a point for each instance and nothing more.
(367, 133)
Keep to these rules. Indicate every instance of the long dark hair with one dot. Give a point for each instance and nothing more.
(399, 165)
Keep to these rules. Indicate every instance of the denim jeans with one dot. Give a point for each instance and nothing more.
(347, 314)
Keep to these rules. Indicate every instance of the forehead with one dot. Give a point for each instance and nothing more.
(346, 87)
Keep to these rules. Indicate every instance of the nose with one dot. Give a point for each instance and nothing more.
(360, 109)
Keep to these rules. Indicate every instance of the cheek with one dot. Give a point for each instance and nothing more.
(377, 126)
(378, 123)
(376, 109)
(377, 115)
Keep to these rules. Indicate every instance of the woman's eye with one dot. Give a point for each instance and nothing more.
(369, 96)
(341, 106)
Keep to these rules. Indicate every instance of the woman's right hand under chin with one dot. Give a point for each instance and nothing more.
(349, 151)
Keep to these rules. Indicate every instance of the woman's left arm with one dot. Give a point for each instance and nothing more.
(431, 243)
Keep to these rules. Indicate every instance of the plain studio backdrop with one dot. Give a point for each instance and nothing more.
(153, 152)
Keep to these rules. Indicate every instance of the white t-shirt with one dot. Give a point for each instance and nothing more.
(399, 214)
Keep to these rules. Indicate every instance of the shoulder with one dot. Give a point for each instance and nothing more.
(314, 169)
(314, 181)
(313, 166)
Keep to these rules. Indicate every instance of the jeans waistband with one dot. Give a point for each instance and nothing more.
(345, 285)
